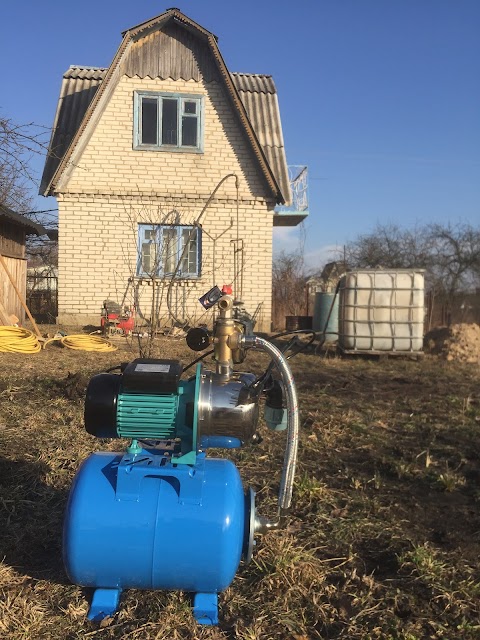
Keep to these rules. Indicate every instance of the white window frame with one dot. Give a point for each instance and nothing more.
(181, 98)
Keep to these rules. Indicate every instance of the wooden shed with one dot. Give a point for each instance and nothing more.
(14, 229)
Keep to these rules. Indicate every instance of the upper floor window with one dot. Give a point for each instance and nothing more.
(168, 121)
(163, 248)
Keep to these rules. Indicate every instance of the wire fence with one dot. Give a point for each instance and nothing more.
(440, 310)
(42, 295)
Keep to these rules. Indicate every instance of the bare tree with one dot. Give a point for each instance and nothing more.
(18, 143)
(391, 247)
(164, 253)
(454, 257)
(450, 254)
(288, 285)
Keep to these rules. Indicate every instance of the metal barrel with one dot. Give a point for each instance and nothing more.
(325, 315)
(294, 323)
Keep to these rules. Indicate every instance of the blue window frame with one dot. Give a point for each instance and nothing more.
(162, 247)
(168, 122)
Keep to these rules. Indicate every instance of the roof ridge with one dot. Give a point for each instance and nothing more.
(169, 14)
(86, 66)
(257, 75)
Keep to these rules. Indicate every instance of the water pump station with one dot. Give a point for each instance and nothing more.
(163, 514)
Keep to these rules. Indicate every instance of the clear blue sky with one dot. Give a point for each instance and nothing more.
(380, 98)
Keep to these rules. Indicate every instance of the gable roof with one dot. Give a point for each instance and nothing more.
(85, 88)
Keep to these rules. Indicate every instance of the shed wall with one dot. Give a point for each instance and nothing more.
(17, 268)
(12, 239)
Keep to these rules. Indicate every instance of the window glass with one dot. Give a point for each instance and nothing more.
(189, 262)
(169, 121)
(161, 247)
(149, 251)
(190, 106)
(189, 131)
(170, 249)
(149, 120)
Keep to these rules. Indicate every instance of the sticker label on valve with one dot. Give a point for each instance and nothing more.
(152, 368)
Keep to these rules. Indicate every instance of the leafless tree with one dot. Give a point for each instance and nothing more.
(454, 257)
(450, 254)
(288, 286)
(391, 247)
(18, 144)
(154, 269)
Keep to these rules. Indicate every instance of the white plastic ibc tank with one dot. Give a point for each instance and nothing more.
(382, 310)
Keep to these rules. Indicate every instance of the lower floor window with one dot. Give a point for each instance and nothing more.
(163, 248)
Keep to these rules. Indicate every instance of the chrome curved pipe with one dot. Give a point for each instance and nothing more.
(293, 425)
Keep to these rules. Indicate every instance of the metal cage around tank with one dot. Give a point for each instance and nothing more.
(382, 311)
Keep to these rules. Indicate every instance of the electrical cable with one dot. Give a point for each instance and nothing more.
(196, 225)
(278, 335)
(18, 340)
(296, 332)
(261, 381)
(204, 355)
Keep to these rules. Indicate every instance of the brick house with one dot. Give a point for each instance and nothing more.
(138, 149)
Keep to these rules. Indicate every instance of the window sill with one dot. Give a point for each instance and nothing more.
(166, 149)
(165, 279)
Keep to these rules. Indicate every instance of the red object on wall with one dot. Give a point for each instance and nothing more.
(227, 289)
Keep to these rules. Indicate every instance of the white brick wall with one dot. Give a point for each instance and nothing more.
(114, 187)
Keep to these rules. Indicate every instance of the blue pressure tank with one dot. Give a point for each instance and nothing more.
(162, 515)
(140, 521)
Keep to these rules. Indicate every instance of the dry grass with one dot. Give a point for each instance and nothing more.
(383, 539)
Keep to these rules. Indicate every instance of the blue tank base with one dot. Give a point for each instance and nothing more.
(205, 608)
(104, 604)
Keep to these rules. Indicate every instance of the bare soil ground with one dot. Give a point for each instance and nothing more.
(384, 535)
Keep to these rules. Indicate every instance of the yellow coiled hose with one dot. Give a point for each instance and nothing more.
(83, 342)
(18, 340)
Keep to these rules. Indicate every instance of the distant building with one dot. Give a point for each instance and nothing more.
(326, 282)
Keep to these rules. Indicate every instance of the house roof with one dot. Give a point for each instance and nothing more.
(253, 96)
(17, 218)
(259, 97)
(79, 86)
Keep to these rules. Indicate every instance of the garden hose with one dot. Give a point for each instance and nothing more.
(18, 340)
(83, 342)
